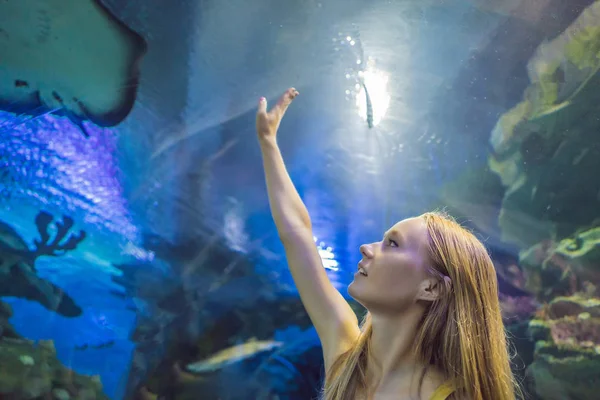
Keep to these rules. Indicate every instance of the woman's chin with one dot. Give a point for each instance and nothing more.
(354, 289)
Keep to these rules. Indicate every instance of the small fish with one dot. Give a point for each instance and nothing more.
(99, 346)
(361, 79)
(232, 355)
(369, 103)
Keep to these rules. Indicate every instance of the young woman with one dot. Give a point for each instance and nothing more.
(433, 329)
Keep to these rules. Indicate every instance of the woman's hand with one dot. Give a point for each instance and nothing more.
(267, 123)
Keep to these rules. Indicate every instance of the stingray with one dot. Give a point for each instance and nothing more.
(73, 58)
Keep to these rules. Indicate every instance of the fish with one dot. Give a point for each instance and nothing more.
(103, 345)
(232, 355)
(370, 123)
(44, 70)
(360, 54)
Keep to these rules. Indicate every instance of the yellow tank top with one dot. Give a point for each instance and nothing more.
(443, 391)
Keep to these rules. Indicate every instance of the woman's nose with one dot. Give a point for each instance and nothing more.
(366, 251)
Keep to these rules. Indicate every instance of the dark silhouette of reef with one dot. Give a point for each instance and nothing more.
(18, 277)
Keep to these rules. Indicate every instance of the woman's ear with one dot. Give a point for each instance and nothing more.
(432, 288)
(429, 290)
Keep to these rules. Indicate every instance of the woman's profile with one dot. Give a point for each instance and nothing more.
(433, 329)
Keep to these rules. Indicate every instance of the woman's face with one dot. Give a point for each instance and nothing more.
(393, 273)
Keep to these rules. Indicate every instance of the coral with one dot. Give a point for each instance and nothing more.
(567, 353)
(543, 149)
(582, 253)
(517, 308)
(554, 269)
(546, 154)
(17, 264)
(31, 371)
(54, 248)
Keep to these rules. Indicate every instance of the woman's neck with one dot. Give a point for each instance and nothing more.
(391, 352)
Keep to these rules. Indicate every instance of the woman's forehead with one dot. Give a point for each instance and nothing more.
(413, 230)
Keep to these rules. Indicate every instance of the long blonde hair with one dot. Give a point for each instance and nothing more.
(461, 334)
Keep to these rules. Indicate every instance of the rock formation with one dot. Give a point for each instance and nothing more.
(31, 370)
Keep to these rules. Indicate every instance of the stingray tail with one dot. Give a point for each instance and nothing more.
(20, 119)
(77, 121)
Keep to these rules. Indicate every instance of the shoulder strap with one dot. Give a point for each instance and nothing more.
(443, 391)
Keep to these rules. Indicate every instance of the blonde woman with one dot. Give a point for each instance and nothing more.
(433, 329)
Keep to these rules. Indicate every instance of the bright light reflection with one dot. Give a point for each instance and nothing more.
(327, 256)
(376, 82)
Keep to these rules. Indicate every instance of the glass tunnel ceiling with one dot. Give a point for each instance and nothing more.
(164, 176)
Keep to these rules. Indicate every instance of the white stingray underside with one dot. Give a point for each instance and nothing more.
(68, 54)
